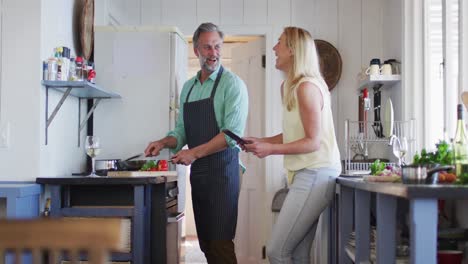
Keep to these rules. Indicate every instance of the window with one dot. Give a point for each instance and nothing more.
(1, 45)
(441, 94)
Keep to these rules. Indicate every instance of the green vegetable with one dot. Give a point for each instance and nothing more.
(377, 166)
(148, 165)
(443, 155)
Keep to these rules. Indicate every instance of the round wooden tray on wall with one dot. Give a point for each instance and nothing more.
(87, 29)
(330, 62)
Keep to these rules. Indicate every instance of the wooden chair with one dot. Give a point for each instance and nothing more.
(96, 237)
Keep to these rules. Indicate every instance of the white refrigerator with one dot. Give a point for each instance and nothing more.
(147, 66)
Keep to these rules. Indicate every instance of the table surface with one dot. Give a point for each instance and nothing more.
(80, 180)
(408, 191)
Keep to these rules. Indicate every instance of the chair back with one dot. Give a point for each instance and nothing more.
(94, 238)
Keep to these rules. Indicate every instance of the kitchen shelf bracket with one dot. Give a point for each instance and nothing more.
(80, 89)
(90, 112)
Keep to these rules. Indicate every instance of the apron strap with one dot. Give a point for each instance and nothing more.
(215, 85)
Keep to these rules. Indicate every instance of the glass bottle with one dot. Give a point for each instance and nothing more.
(460, 147)
(46, 212)
(72, 74)
(79, 68)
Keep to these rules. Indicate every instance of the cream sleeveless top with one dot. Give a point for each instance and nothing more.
(328, 155)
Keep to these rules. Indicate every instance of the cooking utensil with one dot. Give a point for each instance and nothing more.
(417, 174)
(103, 166)
(449, 256)
(377, 105)
(134, 156)
(130, 164)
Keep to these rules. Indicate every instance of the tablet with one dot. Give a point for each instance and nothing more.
(238, 139)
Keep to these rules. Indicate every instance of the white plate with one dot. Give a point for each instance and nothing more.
(355, 173)
(387, 122)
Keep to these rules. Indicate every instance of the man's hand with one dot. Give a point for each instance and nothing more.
(154, 148)
(185, 156)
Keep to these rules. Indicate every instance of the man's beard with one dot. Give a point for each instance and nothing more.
(204, 65)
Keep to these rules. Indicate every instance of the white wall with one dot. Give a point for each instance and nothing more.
(20, 93)
(61, 156)
(31, 29)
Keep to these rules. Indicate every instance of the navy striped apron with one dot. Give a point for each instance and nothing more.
(214, 178)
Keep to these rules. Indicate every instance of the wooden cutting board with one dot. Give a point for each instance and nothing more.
(140, 173)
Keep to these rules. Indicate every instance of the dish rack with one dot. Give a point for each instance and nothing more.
(359, 135)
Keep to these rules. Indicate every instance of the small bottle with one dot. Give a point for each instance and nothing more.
(79, 68)
(59, 69)
(45, 71)
(46, 212)
(52, 69)
(66, 64)
(72, 70)
(460, 147)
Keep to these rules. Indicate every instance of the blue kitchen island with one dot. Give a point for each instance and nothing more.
(353, 206)
(148, 203)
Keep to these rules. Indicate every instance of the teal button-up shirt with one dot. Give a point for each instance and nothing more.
(231, 105)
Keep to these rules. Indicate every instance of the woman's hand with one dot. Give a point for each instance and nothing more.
(249, 140)
(258, 147)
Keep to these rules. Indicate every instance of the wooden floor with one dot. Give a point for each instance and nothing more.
(190, 252)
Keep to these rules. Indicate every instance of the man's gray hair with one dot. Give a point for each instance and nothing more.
(206, 27)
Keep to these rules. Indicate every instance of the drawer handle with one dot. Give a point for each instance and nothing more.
(176, 217)
(173, 192)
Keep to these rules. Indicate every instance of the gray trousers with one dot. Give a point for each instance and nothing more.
(310, 193)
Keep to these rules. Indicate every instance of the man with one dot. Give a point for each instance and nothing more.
(213, 100)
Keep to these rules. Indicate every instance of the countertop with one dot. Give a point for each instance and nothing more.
(408, 191)
(81, 180)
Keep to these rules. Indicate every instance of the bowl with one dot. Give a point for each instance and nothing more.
(449, 256)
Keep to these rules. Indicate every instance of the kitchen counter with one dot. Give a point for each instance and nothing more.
(81, 180)
(408, 191)
(354, 200)
(148, 202)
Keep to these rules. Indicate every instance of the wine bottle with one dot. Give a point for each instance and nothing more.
(46, 212)
(460, 147)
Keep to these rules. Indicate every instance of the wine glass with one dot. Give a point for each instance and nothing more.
(403, 149)
(400, 148)
(93, 147)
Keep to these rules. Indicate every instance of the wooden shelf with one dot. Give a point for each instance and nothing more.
(385, 81)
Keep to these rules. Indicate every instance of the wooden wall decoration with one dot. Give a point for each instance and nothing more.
(87, 29)
(330, 62)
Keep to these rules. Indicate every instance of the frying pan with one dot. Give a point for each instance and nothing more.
(131, 165)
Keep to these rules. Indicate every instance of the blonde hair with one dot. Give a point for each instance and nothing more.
(305, 62)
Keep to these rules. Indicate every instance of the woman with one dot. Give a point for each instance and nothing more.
(308, 143)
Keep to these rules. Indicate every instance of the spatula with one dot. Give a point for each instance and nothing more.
(134, 156)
